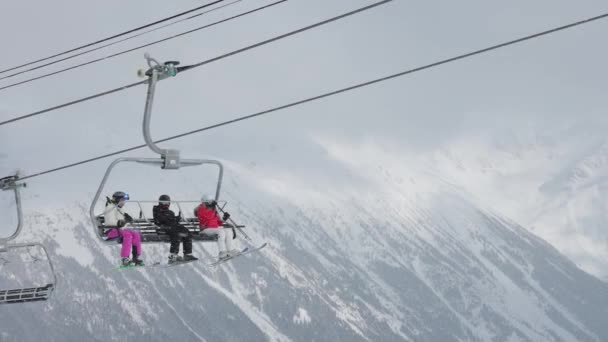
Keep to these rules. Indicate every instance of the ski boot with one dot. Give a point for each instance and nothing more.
(223, 255)
(173, 258)
(190, 257)
(125, 262)
(138, 262)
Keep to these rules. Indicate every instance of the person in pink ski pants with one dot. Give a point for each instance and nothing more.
(131, 239)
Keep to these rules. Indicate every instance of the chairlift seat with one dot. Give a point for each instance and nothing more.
(32, 294)
(150, 232)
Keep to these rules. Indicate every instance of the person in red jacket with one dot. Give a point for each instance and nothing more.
(211, 224)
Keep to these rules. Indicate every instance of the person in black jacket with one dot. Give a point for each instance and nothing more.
(165, 218)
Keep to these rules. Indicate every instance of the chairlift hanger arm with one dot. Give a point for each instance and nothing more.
(155, 73)
(10, 183)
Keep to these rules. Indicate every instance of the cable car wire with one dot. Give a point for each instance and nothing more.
(46, 110)
(118, 41)
(139, 47)
(114, 36)
(332, 93)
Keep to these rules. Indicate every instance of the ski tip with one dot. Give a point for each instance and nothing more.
(261, 246)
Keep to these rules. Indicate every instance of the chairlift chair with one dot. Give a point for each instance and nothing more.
(29, 294)
(169, 160)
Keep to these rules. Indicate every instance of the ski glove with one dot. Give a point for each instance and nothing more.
(128, 218)
(120, 223)
(225, 217)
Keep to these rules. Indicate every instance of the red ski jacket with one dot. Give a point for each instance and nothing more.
(208, 218)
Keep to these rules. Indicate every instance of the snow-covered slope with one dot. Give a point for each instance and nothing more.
(550, 178)
(363, 252)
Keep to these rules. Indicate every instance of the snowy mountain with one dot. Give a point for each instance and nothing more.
(550, 178)
(402, 256)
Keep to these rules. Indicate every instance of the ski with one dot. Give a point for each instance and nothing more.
(160, 264)
(244, 251)
(177, 263)
(121, 267)
(219, 261)
(154, 264)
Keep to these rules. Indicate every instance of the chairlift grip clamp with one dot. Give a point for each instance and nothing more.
(171, 159)
(168, 69)
(10, 183)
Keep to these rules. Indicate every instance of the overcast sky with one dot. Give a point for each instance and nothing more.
(550, 81)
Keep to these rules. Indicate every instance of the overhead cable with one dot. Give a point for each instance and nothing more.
(46, 110)
(331, 93)
(117, 42)
(113, 36)
(138, 47)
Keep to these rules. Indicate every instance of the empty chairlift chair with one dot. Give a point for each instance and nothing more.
(15, 254)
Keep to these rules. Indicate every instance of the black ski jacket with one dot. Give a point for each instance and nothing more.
(164, 216)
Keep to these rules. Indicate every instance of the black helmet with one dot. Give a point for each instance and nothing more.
(120, 195)
(164, 199)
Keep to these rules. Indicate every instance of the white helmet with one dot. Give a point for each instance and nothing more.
(207, 198)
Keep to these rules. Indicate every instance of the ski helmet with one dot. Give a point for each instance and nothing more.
(207, 199)
(120, 195)
(164, 199)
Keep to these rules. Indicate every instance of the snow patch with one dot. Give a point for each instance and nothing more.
(301, 317)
